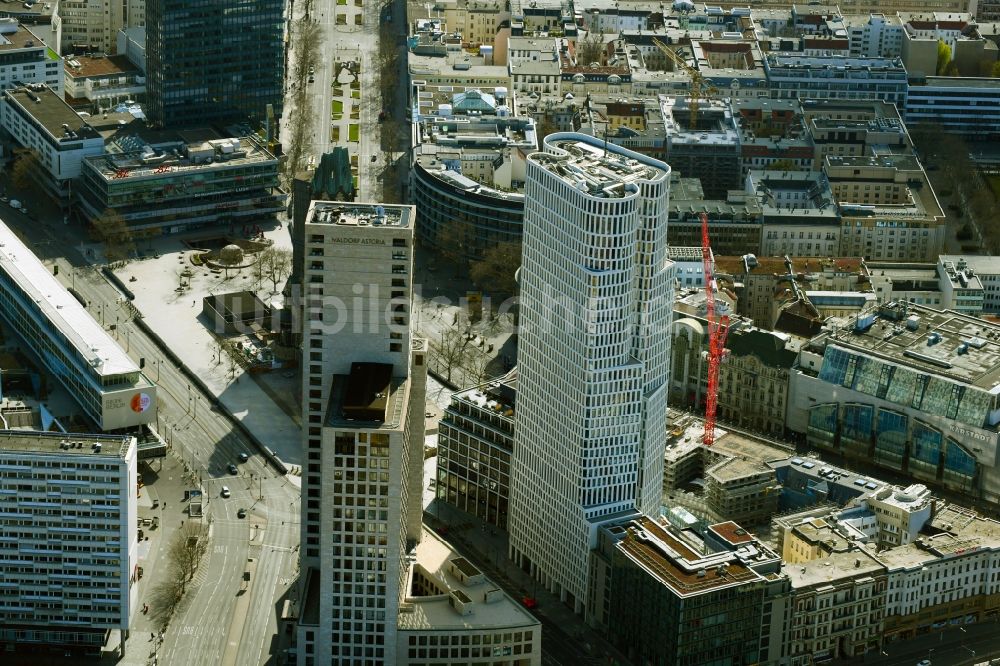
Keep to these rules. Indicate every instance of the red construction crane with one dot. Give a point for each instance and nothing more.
(718, 330)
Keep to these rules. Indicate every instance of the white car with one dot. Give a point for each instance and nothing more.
(225, 491)
(15, 203)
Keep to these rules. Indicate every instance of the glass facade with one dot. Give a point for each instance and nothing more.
(890, 439)
(823, 425)
(856, 429)
(215, 62)
(905, 387)
(959, 466)
(925, 451)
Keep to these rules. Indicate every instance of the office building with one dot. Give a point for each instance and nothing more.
(909, 388)
(985, 268)
(913, 283)
(25, 60)
(173, 182)
(874, 35)
(595, 321)
(962, 289)
(946, 577)
(970, 53)
(90, 26)
(475, 441)
(68, 541)
(468, 166)
(669, 596)
(363, 403)
(39, 120)
(709, 150)
(836, 77)
(965, 105)
(99, 83)
(105, 382)
(736, 220)
(219, 63)
(454, 615)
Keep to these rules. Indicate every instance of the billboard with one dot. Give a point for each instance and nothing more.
(128, 407)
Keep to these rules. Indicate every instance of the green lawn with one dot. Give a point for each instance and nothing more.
(341, 2)
(356, 94)
(353, 131)
(338, 106)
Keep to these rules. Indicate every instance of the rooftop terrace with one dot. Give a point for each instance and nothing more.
(359, 215)
(600, 172)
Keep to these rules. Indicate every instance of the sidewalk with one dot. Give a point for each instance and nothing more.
(175, 316)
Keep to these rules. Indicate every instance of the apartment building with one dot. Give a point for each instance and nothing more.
(68, 541)
(98, 83)
(107, 385)
(93, 24)
(985, 268)
(875, 35)
(838, 606)
(888, 209)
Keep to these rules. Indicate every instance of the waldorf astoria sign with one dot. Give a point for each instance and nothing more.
(359, 241)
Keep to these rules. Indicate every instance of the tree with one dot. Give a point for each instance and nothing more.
(995, 70)
(495, 271)
(234, 357)
(477, 366)
(22, 175)
(276, 265)
(450, 350)
(110, 229)
(590, 49)
(184, 553)
(450, 242)
(943, 57)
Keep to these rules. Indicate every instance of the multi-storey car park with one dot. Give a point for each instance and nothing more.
(105, 382)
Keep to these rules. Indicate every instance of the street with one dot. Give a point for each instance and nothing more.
(206, 443)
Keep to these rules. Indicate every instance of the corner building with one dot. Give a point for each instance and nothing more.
(594, 354)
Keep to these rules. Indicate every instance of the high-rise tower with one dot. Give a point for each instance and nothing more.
(593, 353)
(363, 393)
(213, 62)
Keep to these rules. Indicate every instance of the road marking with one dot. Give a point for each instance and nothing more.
(220, 549)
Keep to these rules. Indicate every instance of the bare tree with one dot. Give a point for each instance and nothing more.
(450, 242)
(276, 264)
(495, 271)
(110, 229)
(184, 552)
(22, 175)
(450, 351)
(233, 354)
(590, 49)
(477, 366)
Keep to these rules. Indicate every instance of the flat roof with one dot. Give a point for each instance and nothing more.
(373, 216)
(732, 469)
(673, 563)
(434, 612)
(52, 112)
(65, 444)
(22, 38)
(143, 153)
(835, 566)
(346, 409)
(609, 173)
(731, 532)
(889, 337)
(366, 394)
(62, 310)
(88, 66)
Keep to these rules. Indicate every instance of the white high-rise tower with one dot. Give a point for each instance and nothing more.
(593, 353)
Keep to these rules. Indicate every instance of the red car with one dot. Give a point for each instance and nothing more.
(382, 115)
(529, 602)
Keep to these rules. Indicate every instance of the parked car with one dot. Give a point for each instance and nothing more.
(15, 203)
(225, 491)
(242, 513)
(232, 469)
(244, 457)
